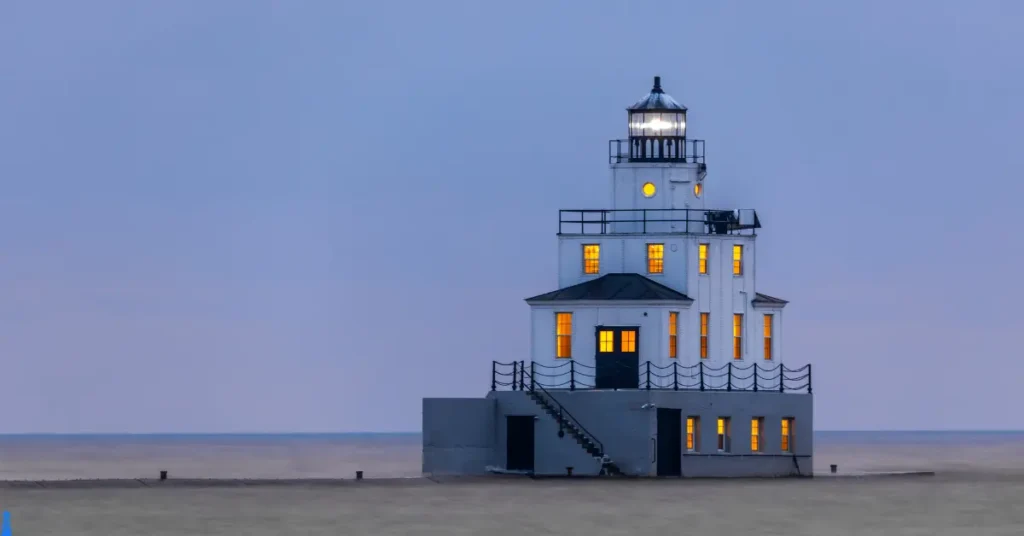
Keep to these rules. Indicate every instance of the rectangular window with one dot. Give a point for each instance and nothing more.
(756, 426)
(655, 258)
(591, 258)
(704, 335)
(737, 259)
(606, 341)
(673, 334)
(692, 434)
(723, 434)
(563, 335)
(787, 434)
(702, 255)
(737, 336)
(628, 340)
(767, 337)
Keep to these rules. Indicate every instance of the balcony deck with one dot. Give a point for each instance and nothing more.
(642, 221)
(657, 149)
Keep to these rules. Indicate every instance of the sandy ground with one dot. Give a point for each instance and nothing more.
(967, 503)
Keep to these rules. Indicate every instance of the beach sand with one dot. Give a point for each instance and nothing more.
(967, 503)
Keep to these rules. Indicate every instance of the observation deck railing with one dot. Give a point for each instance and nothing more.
(573, 375)
(658, 220)
(655, 149)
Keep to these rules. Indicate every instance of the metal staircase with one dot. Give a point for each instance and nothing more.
(568, 423)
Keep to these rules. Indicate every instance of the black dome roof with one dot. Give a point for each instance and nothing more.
(657, 100)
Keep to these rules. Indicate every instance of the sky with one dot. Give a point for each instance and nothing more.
(256, 216)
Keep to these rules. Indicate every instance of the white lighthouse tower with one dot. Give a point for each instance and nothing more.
(655, 355)
(657, 268)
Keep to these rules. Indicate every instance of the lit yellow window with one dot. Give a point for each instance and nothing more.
(606, 340)
(767, 337)
(704, 335)
(787, 435)
(737, 336)
(723, 434)
(698, 188)
(628, 340)
(755, 434)
(702, 255)
(737, 259)
(648, 189)
(563, 334)
(591, 258)
(673, 334)
(692, 429)
(655, 258)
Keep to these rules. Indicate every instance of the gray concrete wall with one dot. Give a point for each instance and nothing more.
(629, 432)
(458, 435)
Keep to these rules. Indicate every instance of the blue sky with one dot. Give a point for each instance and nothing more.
(306, 216)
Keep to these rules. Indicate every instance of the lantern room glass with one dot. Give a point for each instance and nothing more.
(657, 124)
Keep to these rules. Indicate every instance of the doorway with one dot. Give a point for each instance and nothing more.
(617, 360)
(670, 442)
(519, 442)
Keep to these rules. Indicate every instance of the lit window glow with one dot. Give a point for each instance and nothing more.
(698, 189)
(591, 258)
(628, 340)
(702, 255)
(755, 434)
(648, 189)
(563, 335)
(767, 337)
(704, 335)
(673, 334)
(737, 259)
(657, 125)
(723, 434)
(606, 340)
(787, 435)
(737, 336)
(692, 427)
(655, 258)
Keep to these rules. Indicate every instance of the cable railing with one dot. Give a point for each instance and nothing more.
(572, 375)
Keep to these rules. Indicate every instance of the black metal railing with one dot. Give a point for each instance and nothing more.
(655, 149)
(563, 414)
(572, 375)
(658, 220)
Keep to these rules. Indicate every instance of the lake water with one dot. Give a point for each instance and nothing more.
(46, 457)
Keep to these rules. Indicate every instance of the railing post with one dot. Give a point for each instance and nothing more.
(648, 375)
(782, 378)
(755, 377)
(675, 375)
(572, 375)
(808, 378)
(645, 227)
(533, 376)
(515, 374)
(701, 375)
(494, 375)
(728, 386)
(522, 375)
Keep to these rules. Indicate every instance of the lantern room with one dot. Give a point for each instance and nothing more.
(657, 127)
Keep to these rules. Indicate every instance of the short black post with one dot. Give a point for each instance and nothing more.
(572, 375)
(675, 375)
(782, 378)
(522, 375)
(494, 375)
(515, 374)
(163, 475)
(359, 475)
(755, 377)
(648, 375)
(728, 386)
(833, 468)
(701, 375)
(533, 373)
(568, 471)
(808, 378)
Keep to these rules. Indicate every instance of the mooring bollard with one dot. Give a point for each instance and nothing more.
(359, 475)
(163, 475)
(834, 468)
(568, 471)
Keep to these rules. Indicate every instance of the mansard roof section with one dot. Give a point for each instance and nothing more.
(766, 300)
(614, 287)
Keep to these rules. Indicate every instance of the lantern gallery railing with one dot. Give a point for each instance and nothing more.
(660, 220)
(572, 375)
(655, 149)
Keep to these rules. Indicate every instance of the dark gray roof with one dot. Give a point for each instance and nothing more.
(614, 287)
(768, 300)
(657, 100)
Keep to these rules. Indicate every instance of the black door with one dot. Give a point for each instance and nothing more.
(670, 442)
(519, 442)
(618, 358)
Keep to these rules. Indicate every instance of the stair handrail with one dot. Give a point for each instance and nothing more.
(565, 412)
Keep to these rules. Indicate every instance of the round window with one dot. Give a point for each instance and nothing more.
(648, 189)
(698, 189)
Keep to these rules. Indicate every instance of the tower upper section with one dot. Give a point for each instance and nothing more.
(657, 132)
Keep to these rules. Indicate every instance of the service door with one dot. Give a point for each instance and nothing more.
(670, 442)
(519, 442)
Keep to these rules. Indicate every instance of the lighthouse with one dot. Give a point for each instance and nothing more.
(656, 353)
